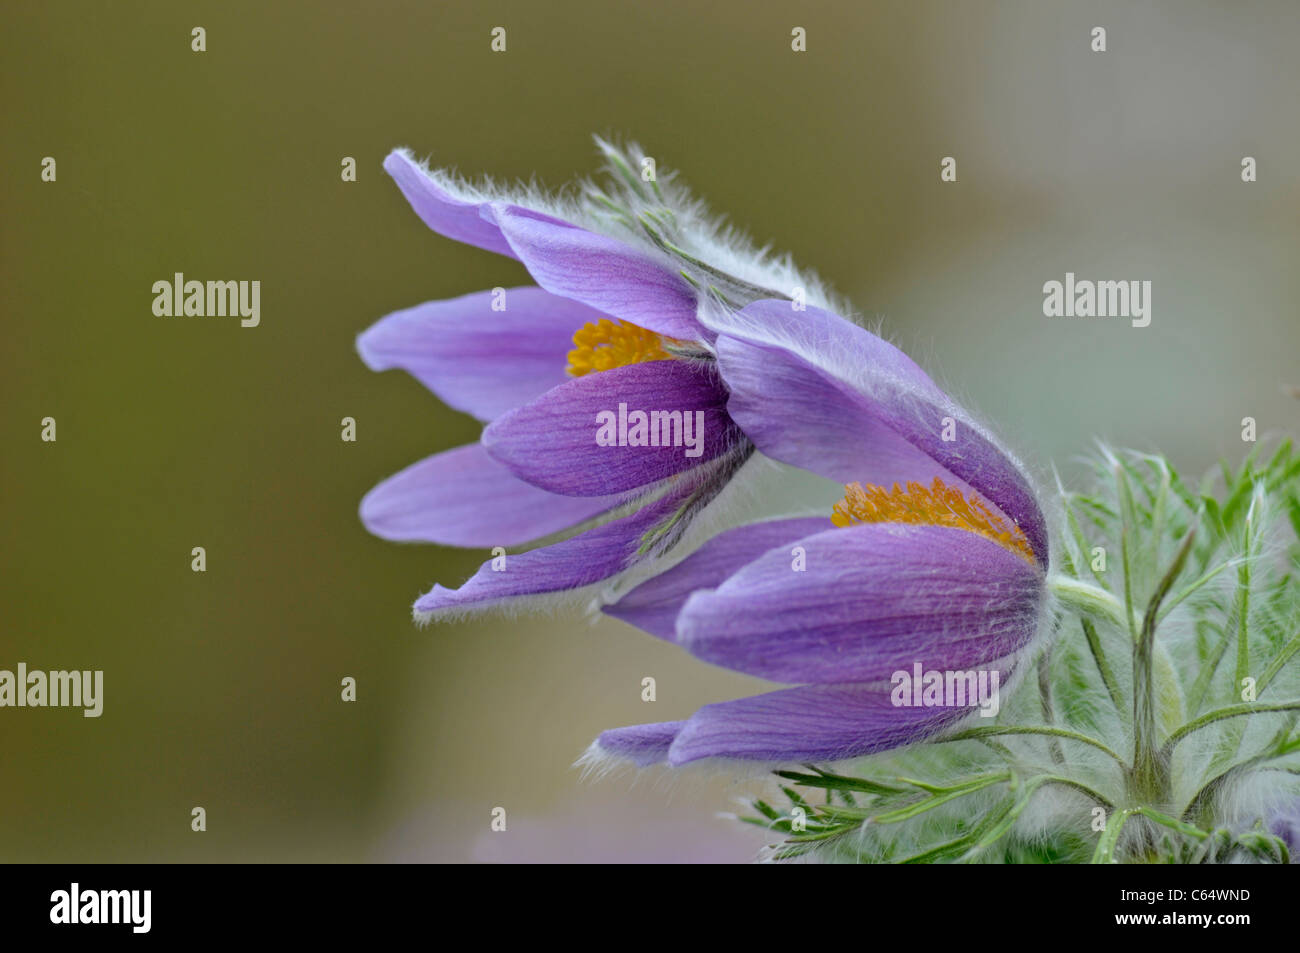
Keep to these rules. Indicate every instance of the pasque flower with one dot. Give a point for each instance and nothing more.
(934, 564)
(936, 557)
(609, 331)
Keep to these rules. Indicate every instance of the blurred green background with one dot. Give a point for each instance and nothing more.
(222, 688)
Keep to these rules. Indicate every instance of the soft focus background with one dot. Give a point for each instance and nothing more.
(222, 689)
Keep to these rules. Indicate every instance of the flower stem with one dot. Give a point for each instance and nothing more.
(1045, 698)
(1099, 656)
(983, 732)
(1087, 600)
(1232, 711)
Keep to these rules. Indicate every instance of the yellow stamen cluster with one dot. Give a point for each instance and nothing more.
(937, 505)
(605, 344)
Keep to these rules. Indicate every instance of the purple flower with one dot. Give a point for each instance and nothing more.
(943, 572)
(599, 387)
(1285, 823)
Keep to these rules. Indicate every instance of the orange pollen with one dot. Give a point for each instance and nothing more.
(604, 345)
(938, 505)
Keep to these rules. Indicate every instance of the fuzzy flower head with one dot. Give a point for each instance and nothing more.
(1162, 724)
(930, 573)
(606, 423)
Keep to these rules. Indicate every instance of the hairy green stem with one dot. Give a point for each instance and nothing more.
(1232, 711)
(1086, 599)
(1150, 765)
(976, 733)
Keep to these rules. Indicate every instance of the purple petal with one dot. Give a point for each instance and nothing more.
(643, 745)
(582, 560)
(551, 442)
(463, 497)
(456, 218)
(835, 344)
(653, 605)
(1284, 823)
(833, 398)
(977, 461)
(797, 414)
(599, 271)
(873, 599)
(812, 723)
(478, 360)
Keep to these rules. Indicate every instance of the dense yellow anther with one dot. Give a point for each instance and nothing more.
(937, 505)
(605, 344)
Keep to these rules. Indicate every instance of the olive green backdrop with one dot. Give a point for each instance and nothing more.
(222, 688)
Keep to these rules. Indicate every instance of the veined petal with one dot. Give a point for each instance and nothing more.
(873, 599)
(798, 415)
(643, 745)
(552, 441)
(655, 603)
(814, 390)
(582, 560)
(476, 359)
(455, 217)
(463, 497)
(845, 350)
(599, 271)
(810, 723)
